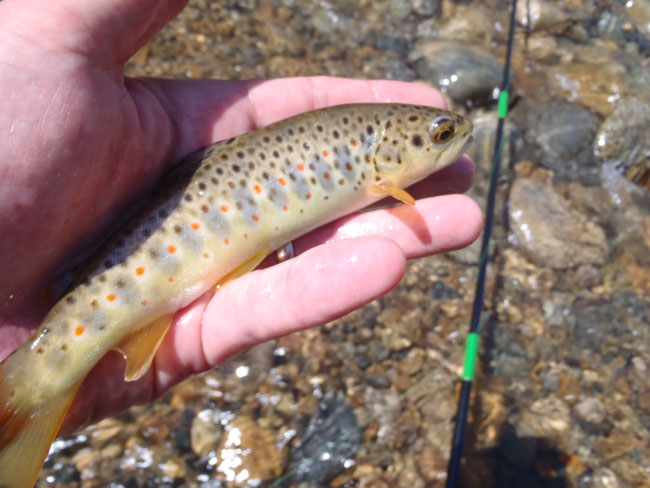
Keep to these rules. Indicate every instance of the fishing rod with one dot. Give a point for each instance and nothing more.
(472, 342)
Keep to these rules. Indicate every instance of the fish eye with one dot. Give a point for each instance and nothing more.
(442, 130)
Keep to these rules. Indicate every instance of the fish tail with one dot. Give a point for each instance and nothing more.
(26, 433)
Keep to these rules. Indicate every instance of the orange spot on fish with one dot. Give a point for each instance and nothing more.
(246, 236)
(256, 218)
(308, 196)
(139, 271)
(326, 175)
(171, 249)
(353, 142)
(143, 302)
(111, 297)
(206, 255)
(326, 153)
(285, 208)
(301, 167)
(224, 208)
(282, 182)
(170, 279)
(195, 225)
(12, 393)
(226, 241)
(80, 329)
(257, 188)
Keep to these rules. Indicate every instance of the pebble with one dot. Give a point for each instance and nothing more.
(206, 432)
(431, 464)
(590, 410)
(248, 454)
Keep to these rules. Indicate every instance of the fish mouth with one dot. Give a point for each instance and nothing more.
(468, 143)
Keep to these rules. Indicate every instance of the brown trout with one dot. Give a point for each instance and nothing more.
(215, 217)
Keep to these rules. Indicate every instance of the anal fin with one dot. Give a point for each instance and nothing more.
(139, 348)
(246, 267)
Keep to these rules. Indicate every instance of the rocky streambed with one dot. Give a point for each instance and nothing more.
(562, 397)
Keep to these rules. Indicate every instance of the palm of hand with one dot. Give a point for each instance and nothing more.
(83, 139)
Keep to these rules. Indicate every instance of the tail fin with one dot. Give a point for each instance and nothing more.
(26, 433)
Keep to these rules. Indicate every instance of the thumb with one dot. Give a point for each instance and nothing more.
(108, 31)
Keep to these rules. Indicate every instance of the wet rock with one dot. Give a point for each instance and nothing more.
(618, 442)
(539, 15)
(431, 464)
(590, 410)
(465, 73)
(206, 432)
(482, 149)
(595, 86)
(587, 276)
(249, 454)
(331, 440)
(623, 137)
(550, 231)
(174, 468)
(548, 417)
(639, 14)
(564, 134)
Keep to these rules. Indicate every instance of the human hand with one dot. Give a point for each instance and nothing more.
(80, 140)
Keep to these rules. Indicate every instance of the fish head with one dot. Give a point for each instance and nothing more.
(420, 141)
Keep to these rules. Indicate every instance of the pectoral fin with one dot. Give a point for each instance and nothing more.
(385, 187)
(140, 347)
(247, 266)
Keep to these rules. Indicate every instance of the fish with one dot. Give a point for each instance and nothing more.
(217, 214)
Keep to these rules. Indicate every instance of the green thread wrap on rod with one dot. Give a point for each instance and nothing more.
(502, 106)
(471, 351)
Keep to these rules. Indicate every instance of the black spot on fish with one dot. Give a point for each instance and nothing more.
(204, 208)
(346, 120)
(188, 197)
(265, 175)
(262, 156)
(214, 180)
(290, 131)
(267, 139)
(276, 154)
(278, 138)
(319, 128)
(335, 134)
(236, 168)
(224, 156)
(301, 129)
(220, 171)
(153, 253)
(240, 154)
(202, 186)
(413, 118)
(69, 300)
(290, 148)
(306, 145)
(120, 283)
(370, 130)
(250, 151)
(417, 140)
(178, 229)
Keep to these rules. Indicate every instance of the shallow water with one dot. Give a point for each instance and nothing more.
(562, 397)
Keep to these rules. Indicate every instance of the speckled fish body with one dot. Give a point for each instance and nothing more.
(219, 212)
